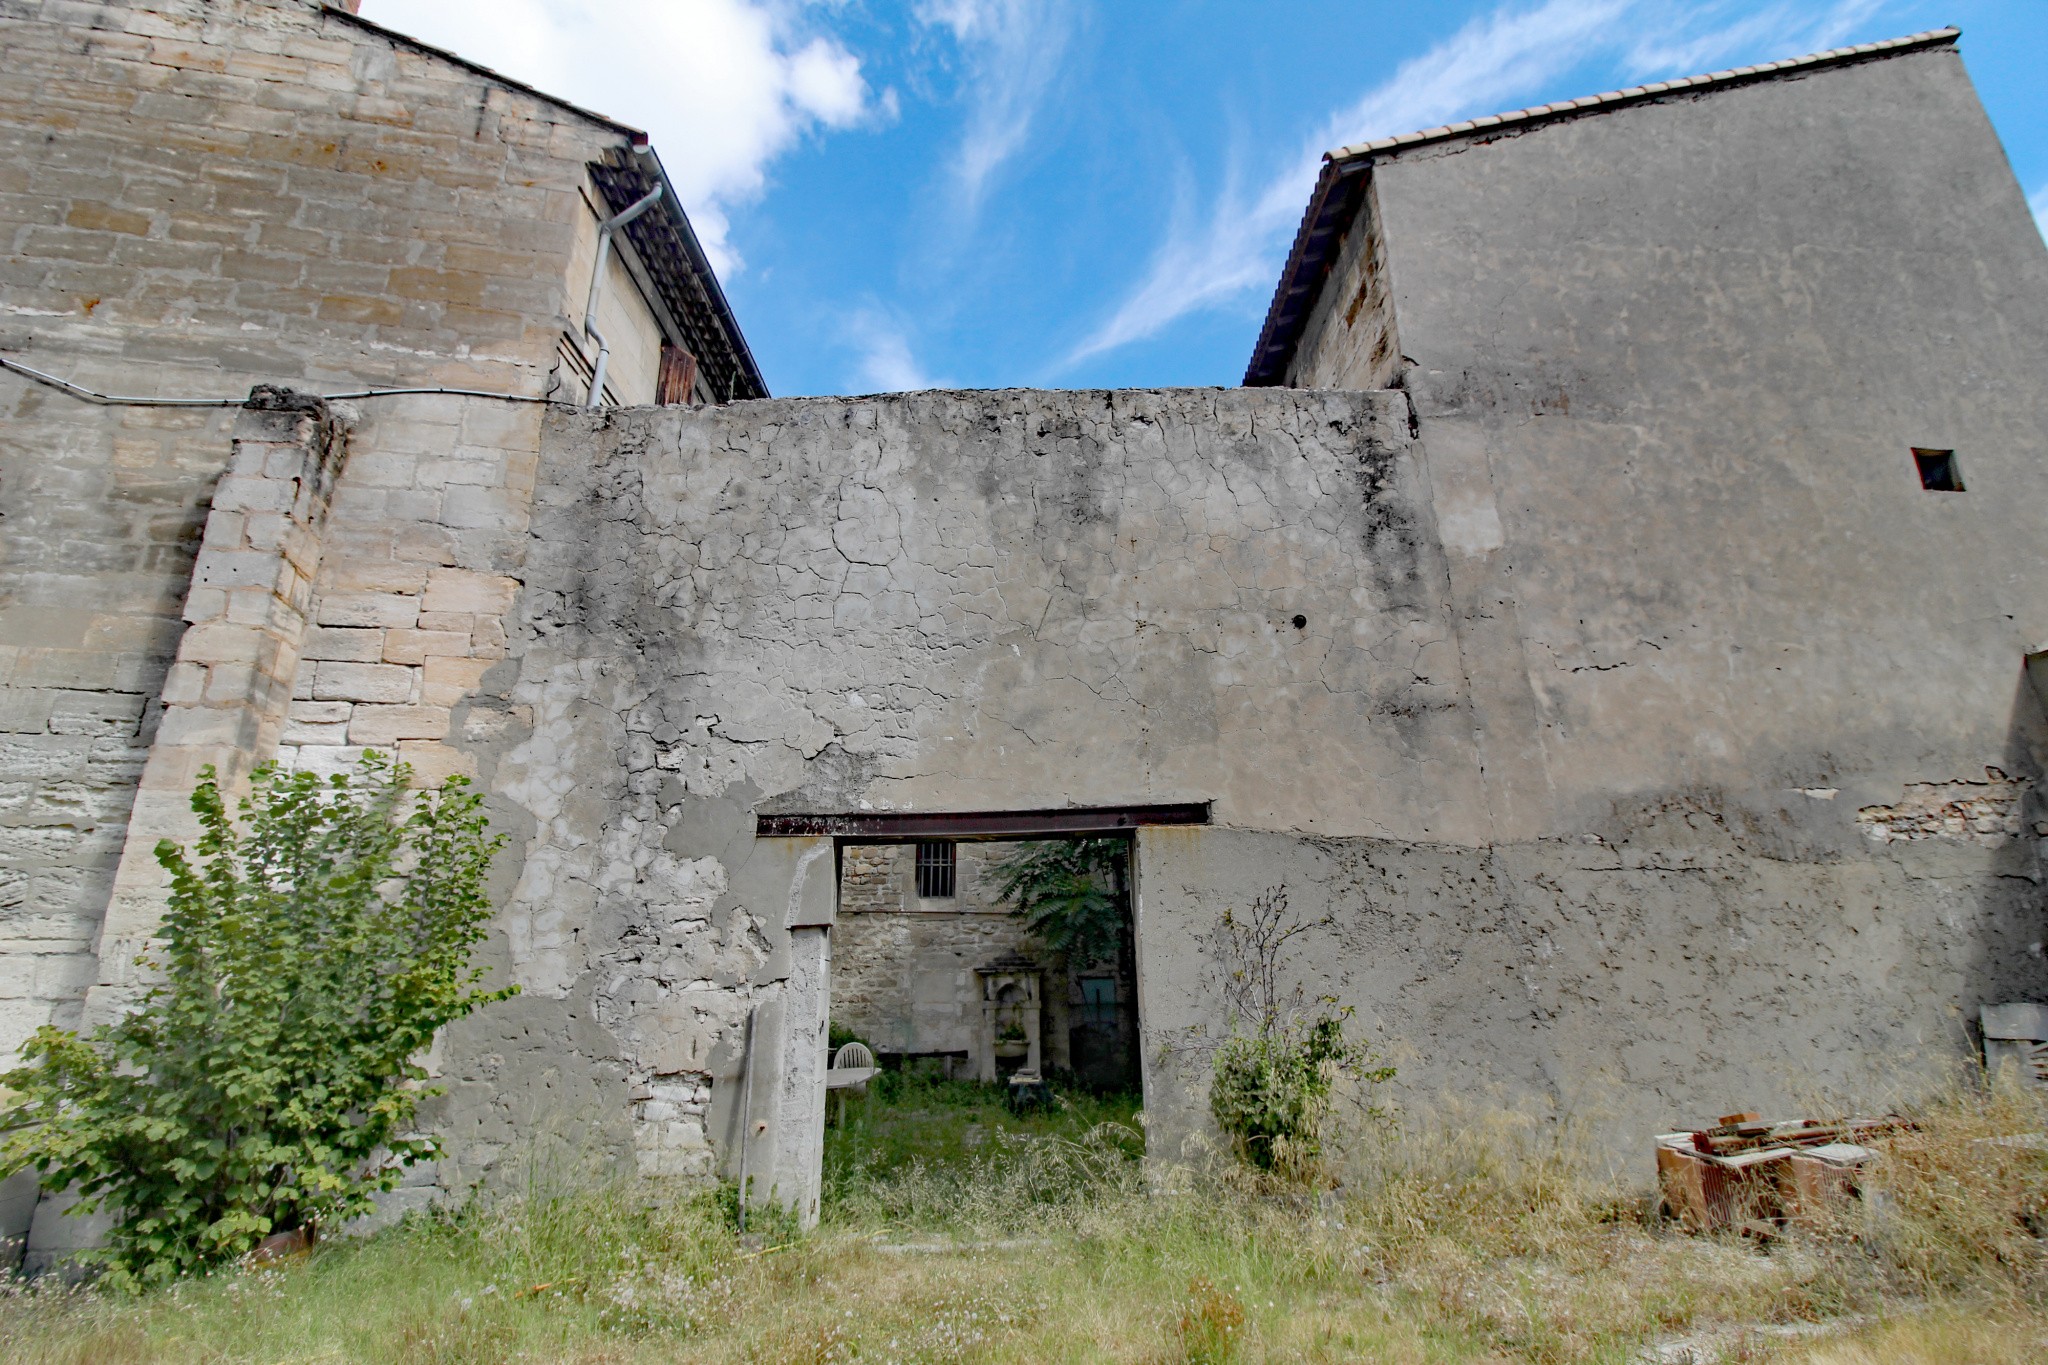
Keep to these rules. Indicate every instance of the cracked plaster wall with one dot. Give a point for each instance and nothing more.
(962, 601)
(1669, 419)
(1760, 767)
(1018, 599)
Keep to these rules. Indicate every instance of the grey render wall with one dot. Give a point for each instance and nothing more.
(1011, 600)
(961, 601)
(1668, 364)
(1757, 756)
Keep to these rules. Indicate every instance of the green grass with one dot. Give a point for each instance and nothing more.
(911, 1127)
(1478, 1239)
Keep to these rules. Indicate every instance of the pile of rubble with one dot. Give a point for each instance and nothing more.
(1753, 1174)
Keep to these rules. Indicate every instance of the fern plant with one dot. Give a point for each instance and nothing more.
(1070, 894)
(265, 1081)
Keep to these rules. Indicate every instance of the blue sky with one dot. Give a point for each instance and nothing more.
(984, 193)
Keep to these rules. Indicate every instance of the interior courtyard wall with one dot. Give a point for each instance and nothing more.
(971, 601)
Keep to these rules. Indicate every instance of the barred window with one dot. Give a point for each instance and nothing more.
(935, 860)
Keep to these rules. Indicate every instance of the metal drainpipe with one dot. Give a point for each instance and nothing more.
(604, 251)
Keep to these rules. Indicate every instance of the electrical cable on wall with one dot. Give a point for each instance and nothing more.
(79, 391)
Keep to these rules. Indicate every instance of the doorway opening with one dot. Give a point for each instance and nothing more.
(990, 959)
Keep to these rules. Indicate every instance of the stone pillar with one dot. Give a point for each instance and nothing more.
(787, 1126)
(225, 698)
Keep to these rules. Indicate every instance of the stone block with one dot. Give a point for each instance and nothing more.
(206, 726)
(483, 508)
(236, 493)
(433, 762)
(324, 760)
(463, 590)
(383, 469)
(377, 683)
(227, 684)
(345, 644)
(383, 725)
(205, 604)
(416, 646)
(217, 642)
(107, 218)
(235, 568)
(264, 609)
(94, 713)
(450, 681)
(307, 732)
(366, 609)
(25, 711)
(354, 573)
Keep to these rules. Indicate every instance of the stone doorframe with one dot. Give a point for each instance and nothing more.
(780, 1118)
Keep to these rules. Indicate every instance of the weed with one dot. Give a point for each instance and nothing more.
(1211, 1325)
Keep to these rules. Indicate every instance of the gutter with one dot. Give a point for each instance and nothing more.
(649, 165)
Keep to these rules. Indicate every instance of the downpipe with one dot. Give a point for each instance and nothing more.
(604, 251)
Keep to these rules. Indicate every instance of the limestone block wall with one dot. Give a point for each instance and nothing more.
(196, 198)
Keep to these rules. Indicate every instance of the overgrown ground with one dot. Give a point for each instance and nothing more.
(956, 1232)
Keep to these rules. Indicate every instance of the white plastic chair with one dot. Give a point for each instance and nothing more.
(853, 1066)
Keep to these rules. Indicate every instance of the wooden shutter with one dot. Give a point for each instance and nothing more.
(678, 375)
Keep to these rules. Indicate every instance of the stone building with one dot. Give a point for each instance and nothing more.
(198, 198)
(1605, 612)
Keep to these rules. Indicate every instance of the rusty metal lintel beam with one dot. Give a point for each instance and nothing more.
(1006, 824)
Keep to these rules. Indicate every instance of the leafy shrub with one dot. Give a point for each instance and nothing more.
(1277, 1072)
(265, 1081)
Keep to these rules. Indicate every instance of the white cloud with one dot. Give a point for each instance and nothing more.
(723, 86)
(2038, 202)
(1788, 29)
(1496, 62)
(1489, 63)
(1012, 50)
(886, 362)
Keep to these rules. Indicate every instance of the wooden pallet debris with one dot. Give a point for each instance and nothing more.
(1754, 1175)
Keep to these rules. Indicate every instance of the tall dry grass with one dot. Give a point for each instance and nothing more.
(1482, 1236)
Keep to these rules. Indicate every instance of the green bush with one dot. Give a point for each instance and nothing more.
(1272, 1091)
(265, 1081)
(1276, 1074)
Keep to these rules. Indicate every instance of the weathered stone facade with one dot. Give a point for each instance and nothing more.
(1607, 677)
(198, 198)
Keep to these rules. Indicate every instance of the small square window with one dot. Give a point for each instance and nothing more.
(935, 863)
(1939, 472)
